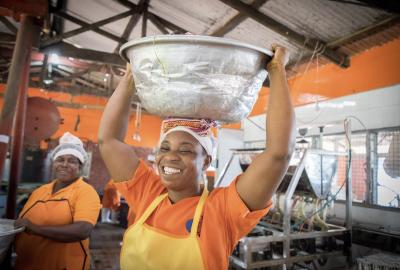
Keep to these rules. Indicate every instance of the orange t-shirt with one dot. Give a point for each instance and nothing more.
(82, 197)
(111, 197)
(77, 202)
(225, 217)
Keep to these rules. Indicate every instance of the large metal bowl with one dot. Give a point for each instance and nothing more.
(197, 76)
(7, 234)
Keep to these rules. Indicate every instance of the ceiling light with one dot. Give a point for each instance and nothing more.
(54, 58)
(337, 105)
(48, 81)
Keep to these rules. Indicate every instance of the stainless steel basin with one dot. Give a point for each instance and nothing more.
(197, 76)
(7, 234)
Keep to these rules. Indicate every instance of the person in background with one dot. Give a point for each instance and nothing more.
(58, 217)
(110, 202)
(178, 223)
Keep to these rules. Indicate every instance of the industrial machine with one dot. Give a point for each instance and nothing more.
(296, 229)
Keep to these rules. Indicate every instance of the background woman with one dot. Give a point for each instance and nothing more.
(59, 216)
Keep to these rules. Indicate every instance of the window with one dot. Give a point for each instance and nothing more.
(388, 169)
(338, 143)
(375, 177)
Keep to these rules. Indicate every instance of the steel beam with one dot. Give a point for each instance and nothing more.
(68, 50)
(236, 20)
(94, 26)
(163, 21)
(66, 73)
(72, 76)
(338, 58)
(353, 37)
(8, 24)
(142, 5)
(158, 24)
(365, 32)
(392, 6)
(168, 24)
(87, 27)
(144, 22)
(128, 29)
(7, 39)
(43, 72)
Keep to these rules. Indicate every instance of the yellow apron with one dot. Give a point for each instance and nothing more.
(147, 248)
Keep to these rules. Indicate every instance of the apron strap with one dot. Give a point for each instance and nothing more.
(151, 208)
(197, 214)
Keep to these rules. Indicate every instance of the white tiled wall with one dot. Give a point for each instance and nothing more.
(376, 109)
(228, 139)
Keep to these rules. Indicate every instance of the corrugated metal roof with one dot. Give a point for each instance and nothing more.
(373, 40)
(331, 22)
(324, 20)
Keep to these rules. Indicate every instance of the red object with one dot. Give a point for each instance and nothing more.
(29, 7)
(42, 120)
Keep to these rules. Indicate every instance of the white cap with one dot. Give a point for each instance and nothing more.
(208, 142)
(70, 145)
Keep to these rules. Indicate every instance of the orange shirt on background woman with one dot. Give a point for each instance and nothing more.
(58, 217)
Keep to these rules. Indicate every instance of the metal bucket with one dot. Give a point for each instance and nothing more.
(197, 76)
(7, 234)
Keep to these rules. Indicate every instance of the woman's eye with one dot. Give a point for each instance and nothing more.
(185, 151)
(164, 149)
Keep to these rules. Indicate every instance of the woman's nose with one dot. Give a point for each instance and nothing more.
(64, 163)
(171, 155)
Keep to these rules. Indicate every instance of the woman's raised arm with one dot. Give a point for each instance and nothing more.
(260, 181)
(119, 157)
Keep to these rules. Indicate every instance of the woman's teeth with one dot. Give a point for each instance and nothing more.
(169, 170)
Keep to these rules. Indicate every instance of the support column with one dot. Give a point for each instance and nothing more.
(17, 144)
(16, 89)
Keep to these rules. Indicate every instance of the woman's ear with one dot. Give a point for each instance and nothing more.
(80, 168)
(207, 162)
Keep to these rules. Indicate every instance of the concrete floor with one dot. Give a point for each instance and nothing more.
(105, 246)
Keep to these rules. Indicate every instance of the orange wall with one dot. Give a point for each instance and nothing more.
(375, 68)
(89, 125)
(90, 118)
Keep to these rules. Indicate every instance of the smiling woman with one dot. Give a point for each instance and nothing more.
(59, 216)
(178, 223)
(185, 152)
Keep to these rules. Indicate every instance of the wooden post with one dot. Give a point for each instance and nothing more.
(15, 95)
